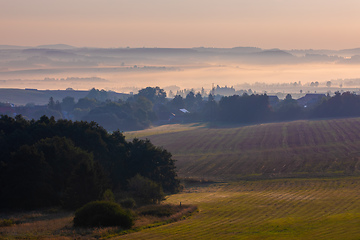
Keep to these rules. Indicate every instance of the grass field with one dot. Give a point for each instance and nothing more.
(59, 225)
(248, 203)
(267, 209)
(299, 148)
(255, 199)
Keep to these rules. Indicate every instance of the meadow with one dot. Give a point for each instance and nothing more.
(266, 209)
(290, 180)
(302, 148)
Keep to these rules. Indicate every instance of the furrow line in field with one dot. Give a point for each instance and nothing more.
(347, 131)
(336, 127)
(350, 127)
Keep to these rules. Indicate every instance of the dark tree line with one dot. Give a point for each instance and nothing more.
(150, 106)
(244, 109)
(50, 163)
(256, 108)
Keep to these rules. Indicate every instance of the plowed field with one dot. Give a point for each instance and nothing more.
(299, 148)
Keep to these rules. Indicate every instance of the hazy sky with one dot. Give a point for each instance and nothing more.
(286, 24)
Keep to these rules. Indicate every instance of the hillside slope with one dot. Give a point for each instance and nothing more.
(299, 148)
(267, 209)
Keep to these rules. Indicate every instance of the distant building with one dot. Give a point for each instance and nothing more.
(310, 99)
(183, 110)
(179, 115)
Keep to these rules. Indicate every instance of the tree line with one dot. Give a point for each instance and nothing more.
(256, 108)
(151, 106)
(52, 162)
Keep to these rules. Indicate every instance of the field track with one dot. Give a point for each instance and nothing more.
(267, 209)
(288, 149)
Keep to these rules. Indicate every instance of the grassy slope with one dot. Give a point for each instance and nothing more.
(323, 208)
(300, 148)
(267, 209)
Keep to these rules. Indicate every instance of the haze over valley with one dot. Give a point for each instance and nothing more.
(130, 69)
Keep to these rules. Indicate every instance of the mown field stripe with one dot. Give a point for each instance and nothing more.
(287, 209)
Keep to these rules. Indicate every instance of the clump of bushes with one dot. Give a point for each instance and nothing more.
(128, 203)
(6, 222)
(103, 214)
(159, 210)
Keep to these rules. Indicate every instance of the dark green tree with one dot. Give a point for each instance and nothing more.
(155, 95)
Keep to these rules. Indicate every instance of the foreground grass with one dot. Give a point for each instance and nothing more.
(49, 225)
(263, 209)
(267, 209)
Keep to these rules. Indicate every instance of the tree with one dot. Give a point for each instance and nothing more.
(190, 100)
(210, 110)
(288, 109)
(84, 185)
(177, 102)
(51, 104)
(86, 103)
(246, 109)
(28, 181)
(101, 96)
(145, 191)
(68, 104)
(154, 163)
(155, 95)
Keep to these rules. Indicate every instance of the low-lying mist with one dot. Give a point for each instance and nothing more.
(128, 70)
(184, 77)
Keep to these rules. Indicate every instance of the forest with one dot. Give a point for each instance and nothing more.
(151, 107)
(50, 162)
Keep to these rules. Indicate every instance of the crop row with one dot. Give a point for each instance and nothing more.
(281, 209)
(324, 147)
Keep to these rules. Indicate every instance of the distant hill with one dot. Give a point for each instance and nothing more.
(56, 46)
(41, 97)
(288, 149)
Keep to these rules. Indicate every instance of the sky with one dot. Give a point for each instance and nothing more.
(285, 24)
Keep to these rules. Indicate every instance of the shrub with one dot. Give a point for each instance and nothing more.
(128, 203)
(108, 196)
(145, 191)
(159, 210)
(6, 222)
(103, 213)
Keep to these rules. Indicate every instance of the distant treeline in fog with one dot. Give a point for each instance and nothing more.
(150, 106)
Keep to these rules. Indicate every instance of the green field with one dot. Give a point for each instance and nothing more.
(289, 149)
(267, 209)
(291, 180)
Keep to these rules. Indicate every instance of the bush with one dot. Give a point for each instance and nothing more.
(159, 210)
(128, 203)
(108, 196)
(6, 222)
(102, 213)
(145, 191)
